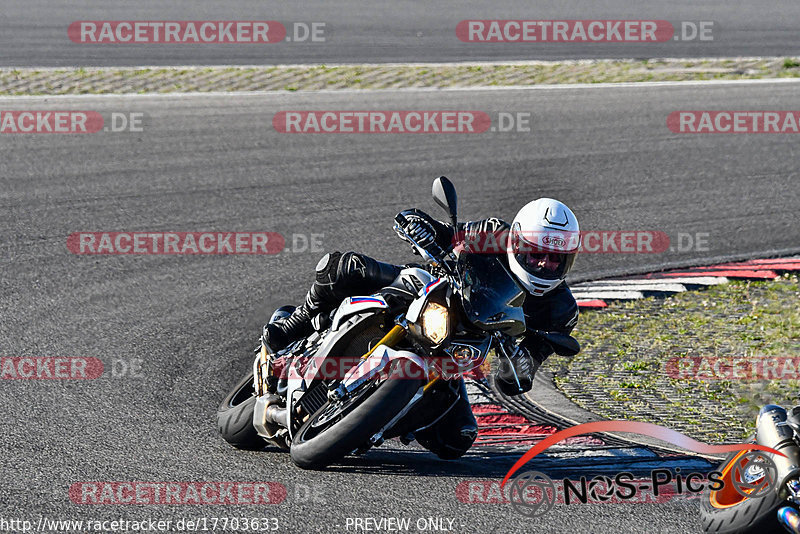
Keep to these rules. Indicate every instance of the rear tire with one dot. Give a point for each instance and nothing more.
(733, 514)
(235, 417)
(356, 427)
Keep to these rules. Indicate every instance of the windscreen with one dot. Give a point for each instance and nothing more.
(492, 299)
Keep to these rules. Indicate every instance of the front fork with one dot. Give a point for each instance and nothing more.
(344, 389)
(347, 386)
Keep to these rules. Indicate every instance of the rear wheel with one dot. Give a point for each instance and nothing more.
(235, 416)
(727, 511)
(337, 429)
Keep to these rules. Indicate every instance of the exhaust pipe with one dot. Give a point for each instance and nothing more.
(268, 416)
(275, 414)
(773, 431)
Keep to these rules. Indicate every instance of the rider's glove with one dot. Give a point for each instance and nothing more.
(420, 227)
(515, 374)
(420, 230)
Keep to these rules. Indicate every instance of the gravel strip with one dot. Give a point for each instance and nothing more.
(32, 81)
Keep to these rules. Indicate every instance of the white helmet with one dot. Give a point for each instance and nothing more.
(544, 241)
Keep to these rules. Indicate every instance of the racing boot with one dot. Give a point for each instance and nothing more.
(337, 276)
(452, 436)
(279, 333)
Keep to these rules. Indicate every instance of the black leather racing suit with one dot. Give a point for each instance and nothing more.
(340, 275)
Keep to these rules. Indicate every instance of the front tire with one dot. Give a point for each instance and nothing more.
(235, 416)
(312, 450)
(727, 512)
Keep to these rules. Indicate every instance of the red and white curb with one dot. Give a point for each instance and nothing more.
(508, 429)
(499, 425)
(596, 294)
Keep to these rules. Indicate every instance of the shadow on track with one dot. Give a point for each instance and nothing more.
(484, 463)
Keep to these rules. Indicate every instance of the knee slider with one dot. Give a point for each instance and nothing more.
(328, 268)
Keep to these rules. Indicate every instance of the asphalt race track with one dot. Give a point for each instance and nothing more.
(407, 31)
(216, 163)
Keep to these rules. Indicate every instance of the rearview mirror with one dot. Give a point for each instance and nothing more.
(444, 193)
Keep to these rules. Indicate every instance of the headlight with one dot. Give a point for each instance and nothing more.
(435, 322)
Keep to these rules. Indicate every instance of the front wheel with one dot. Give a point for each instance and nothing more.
(335, 430)
(728, 512)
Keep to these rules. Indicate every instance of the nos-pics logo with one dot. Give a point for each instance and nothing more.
(753, 475)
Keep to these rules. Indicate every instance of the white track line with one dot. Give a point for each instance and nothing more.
(608, 294)
(612, 285)
(433, 64)
(689, 280)
(695, 280)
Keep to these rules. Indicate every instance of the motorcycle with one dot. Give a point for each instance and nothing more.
(736, 509)
(386, 365)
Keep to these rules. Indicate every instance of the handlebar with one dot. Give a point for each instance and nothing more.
(433, 251)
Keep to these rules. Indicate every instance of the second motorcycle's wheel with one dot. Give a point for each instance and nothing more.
(336, 430)
(728, 512)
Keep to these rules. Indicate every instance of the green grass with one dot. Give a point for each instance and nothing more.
(621, 373)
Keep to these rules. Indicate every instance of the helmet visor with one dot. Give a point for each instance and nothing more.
(547, 265)
(541, 261)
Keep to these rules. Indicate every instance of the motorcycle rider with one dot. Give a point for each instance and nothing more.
(538, 247)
